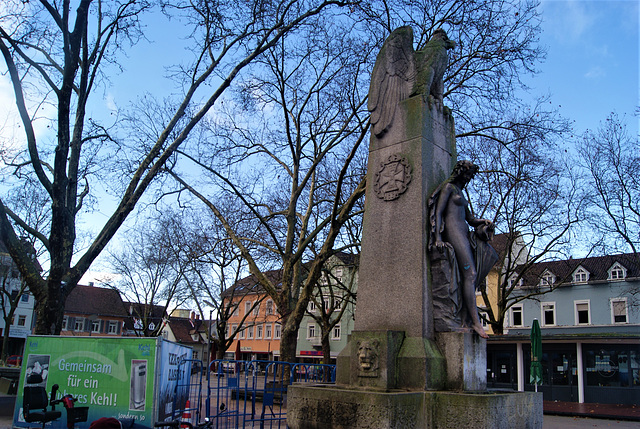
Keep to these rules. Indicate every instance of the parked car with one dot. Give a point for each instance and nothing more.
(14, 360)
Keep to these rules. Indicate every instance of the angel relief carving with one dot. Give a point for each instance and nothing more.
(400, 73)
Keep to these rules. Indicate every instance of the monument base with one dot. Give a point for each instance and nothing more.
(329, 406)
(388, 360)
(466, 356)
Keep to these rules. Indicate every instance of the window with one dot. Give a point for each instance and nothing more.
(338, 274)
(79, 325)
(277, 333)
(24, 297)
(236, 308)
(267, 330)
(256, 309)
(335, 334)
(516, 315)
(582, 312)
(195, 355)
(269, 308)
(483, 318)
(259, 331)
(547, 279)
(247, 307)
(617, 272)
(250, 333)
(580, 276)
(311, 330)
(619, 313)
(64, 323)
(234, 329)
(22, 320)
(513, 280)
(311, 308)
(113, 327)
(95, 326)
(548, 313)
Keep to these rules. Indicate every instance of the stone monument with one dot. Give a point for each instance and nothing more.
(416, 358)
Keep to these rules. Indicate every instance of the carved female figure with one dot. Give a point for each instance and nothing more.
(450, 215)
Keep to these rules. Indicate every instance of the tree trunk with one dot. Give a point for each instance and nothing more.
(288, 343)
(497, 328)
(5, 335)
(326, 349)
(50, 311)
(220, 353)
(326, 357)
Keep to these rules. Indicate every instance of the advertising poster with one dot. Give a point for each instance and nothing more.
(111, 376)
(170, 371)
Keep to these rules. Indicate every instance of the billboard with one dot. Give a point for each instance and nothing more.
(114, 377)
(173, 367)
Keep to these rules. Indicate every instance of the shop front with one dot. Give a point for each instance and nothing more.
(585, 369)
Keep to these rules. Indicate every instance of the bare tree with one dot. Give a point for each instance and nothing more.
(536, 202)
(56, 57)
(306, 101)
(334, 296)
(298, 121)
(12, 290)
(611, 158)
(149, 275)
(212, 265)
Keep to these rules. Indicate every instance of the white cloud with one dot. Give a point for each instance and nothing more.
(110, 103)
(595, 73)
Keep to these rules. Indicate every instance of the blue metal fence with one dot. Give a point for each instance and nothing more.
(242, 394)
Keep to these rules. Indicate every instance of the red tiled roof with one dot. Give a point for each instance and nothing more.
(183, 328)
(95, 300)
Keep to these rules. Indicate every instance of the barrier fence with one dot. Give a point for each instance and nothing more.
(242, 394)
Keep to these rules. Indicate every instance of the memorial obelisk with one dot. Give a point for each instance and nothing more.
(410, 362)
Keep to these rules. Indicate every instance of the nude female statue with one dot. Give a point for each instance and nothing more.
(450, 215)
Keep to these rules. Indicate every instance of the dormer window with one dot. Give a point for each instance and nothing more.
(547, 279)
(617, 272)
(515, 282)
(580, 276)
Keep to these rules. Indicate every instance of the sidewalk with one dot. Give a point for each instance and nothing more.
(601, 411)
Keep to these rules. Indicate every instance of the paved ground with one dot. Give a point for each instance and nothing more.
(562, 422)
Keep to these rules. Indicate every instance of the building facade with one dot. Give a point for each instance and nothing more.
(15, 294)
(590, 323)
(332, 309)
(94, 311)
(254, 320)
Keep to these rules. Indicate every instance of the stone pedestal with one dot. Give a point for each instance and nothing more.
(325, 406)
(386, 360)
(466, 356)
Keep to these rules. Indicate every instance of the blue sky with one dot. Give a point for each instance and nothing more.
(592, 60)
(592, 65)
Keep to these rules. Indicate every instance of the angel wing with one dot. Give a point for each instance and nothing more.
(392, 79)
